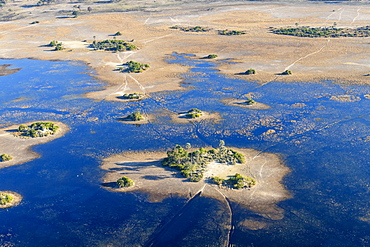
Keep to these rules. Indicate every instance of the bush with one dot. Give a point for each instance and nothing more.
(5, 198)
(250, 72)
(136, 116)
(135, 67)
(211, 56)
(132, 95)
(218, 180)
(5, 157)
(125, 182)
(287, 72)
(250, 101)
(118, 34)
(230, 32)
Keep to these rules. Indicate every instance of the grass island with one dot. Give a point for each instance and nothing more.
(9, 199)
(135, 118)
(132, 96)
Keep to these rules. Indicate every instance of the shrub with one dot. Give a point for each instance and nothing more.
(125, 182)
(230, 32)
(250, 101)
(211, 56)
(118, 34)
(218, 180)
(136, 116)
(5, 157)
(250, 72)
(135, 67)
(287, 72)
(132, 95)
(5, 198)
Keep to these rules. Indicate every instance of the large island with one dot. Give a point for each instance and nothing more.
(160, 174)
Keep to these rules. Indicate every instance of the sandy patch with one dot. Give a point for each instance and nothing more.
(159, 182)
(20, 148)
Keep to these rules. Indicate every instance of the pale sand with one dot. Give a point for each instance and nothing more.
(310, 59)
(20, 148)
(17, 198)
(159, 182)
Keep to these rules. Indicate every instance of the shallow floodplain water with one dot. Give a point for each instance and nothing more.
(324, 141)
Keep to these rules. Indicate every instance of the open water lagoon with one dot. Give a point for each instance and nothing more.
(321, 131)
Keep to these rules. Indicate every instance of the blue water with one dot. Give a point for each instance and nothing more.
(324, 142)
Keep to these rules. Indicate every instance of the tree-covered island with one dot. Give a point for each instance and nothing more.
(38, 129)
(193, 165)
(193, 113)
(135, 116)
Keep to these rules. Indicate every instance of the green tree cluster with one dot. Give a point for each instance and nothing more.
(230, 32)
(132, 95)
(5, 198)
(125, 182)
(194, 113)
(237, 181)
(287, 72)
(38, 129)
(113, 45)
(135, 116)
(211, 56)
(250, 72)
(134, 67)
(56, 44)
(5, 157)
(325, 32)
(192, 29)
(193, 164)
(250, 101)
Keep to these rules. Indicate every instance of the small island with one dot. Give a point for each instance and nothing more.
(246, 103)
(16, 140)
(194, 114)
(9, 199)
